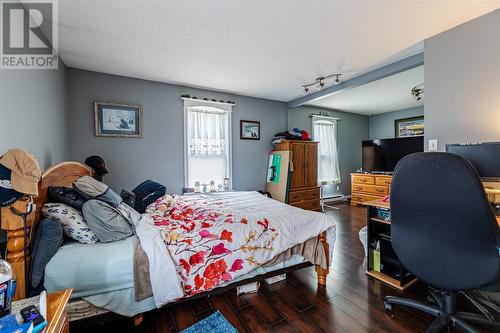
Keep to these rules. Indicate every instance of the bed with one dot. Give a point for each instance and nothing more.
(101, 275)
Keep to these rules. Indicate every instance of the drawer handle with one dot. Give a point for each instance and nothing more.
(364, 180)
(380, 190)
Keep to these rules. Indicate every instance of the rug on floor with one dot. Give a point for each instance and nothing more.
(215, 323)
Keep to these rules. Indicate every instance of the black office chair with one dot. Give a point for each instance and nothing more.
(444, 232)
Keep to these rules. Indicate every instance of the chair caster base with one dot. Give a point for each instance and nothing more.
(443, 321)
(388, 309)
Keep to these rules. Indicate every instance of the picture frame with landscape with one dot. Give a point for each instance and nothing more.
(249, 130)
(118, 120)
(408, 127)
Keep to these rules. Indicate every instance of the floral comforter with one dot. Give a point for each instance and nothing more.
(212, 239)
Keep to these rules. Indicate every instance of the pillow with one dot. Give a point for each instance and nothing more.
(146, 193)
(49, 237)
(72, 221)
(106, 221)
(90, 188)
(66, 196)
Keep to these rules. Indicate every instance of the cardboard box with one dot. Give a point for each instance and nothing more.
(248, 288)
(276, 278)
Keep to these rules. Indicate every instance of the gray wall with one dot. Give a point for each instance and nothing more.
(382, 125)
(33, 113)
(353, 129)
(159, 155)
(462, 83)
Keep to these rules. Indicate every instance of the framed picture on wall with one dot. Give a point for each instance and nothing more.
(249, 130)
(118, 120)
(406, 127)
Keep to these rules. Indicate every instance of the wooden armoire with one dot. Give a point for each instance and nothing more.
(303, 190)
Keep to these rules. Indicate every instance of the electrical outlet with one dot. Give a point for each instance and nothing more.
(338, 187)
(433, 145)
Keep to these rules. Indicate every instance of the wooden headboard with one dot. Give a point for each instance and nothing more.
(62, 174)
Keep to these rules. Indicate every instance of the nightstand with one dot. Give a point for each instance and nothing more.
(57, 318)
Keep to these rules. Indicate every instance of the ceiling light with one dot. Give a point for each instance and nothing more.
(418, 92)
(319, 82)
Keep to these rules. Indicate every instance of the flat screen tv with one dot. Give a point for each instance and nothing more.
(383, 155)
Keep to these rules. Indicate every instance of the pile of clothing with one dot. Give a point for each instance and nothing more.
(295, 134)
(19, 175)
(88, 212)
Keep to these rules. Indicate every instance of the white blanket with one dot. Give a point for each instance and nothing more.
(294, 224)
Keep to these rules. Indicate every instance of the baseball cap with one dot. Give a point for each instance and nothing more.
(25, 171)
(97, 163)
(7, 193)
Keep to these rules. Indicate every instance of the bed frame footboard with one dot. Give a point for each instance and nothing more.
(322, 272)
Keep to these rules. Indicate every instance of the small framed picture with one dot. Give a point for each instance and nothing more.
(118, 120)
(409, 127)
(249, 130)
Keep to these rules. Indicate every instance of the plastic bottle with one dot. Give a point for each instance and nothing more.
(5, 287)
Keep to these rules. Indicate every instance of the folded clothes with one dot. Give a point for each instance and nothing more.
(295, 134)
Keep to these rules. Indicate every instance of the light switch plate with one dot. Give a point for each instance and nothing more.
(433, 145)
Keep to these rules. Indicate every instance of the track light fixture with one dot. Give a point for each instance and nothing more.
(320, 82)
(418, 92)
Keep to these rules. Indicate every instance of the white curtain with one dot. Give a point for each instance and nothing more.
(206, 131)
(325, 132)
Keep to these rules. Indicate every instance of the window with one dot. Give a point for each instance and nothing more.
(207, 142)
(325, 132)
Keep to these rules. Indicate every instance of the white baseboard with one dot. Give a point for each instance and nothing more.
(335, 199)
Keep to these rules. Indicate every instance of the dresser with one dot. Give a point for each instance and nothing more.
(303, 189)
(368, 187)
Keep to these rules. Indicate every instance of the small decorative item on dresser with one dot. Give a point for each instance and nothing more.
(249, 130)
(118, 120)
(226, 183)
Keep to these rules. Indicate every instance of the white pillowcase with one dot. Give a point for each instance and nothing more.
(72, 221)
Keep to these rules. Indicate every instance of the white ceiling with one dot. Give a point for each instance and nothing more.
(258, 48)
(388, 94)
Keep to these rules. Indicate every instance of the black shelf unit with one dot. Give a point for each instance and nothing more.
(391, 270)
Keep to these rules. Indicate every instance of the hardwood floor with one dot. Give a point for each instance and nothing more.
(350, 302)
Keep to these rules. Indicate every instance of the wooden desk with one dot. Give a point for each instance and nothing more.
(57, 318)
(372, 218)
(492, 190)
(378, 203)
(386, 204)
